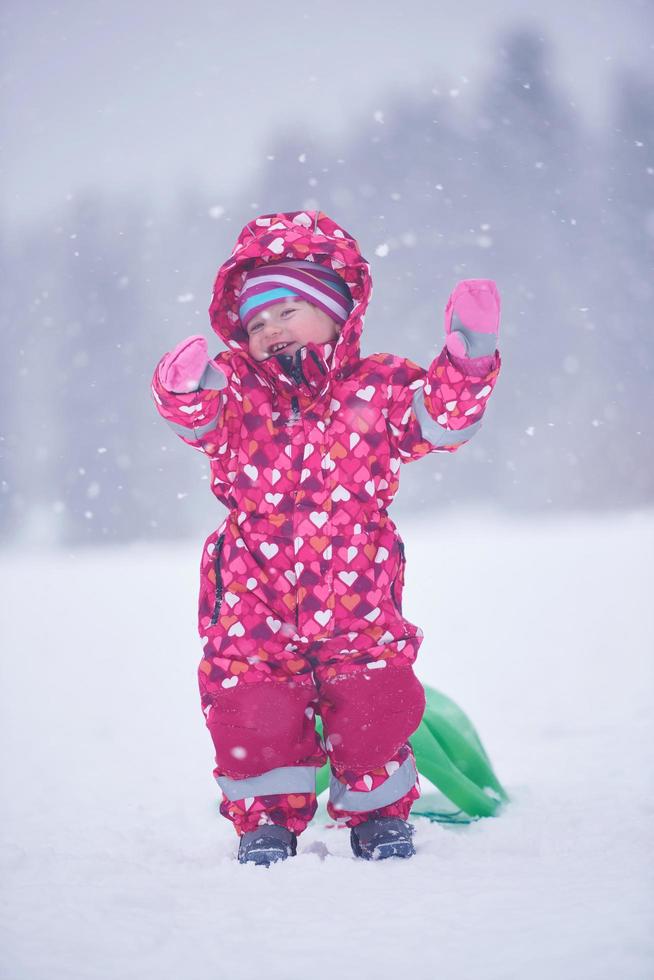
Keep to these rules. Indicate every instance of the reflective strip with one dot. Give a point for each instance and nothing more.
(355, 801)
(192, 431)
(213, 378)
(286, 779)
(181, 430)
(437, 434)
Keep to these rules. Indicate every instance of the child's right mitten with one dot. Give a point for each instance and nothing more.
(472, 318)
(181, 370)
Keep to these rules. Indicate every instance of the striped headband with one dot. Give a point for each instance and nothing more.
(275, 282)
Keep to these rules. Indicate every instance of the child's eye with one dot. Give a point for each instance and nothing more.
(287, 312)
(254, 327)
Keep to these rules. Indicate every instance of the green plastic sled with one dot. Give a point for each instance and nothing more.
(450, 755)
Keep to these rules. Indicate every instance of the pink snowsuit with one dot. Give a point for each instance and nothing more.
(300, 607)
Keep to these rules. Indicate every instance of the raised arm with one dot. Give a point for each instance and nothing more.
(441, 409)
(189, 391)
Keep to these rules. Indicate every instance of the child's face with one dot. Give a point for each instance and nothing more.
(285, 327)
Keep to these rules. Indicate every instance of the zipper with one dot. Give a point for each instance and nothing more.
(296, 369)
(321, 367)
(219, 580)
(400, 545)
(298, 377)
(293, 364)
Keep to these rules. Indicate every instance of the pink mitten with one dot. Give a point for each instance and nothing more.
(472, 318)
(180, 371)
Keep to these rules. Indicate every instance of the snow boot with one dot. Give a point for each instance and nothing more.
(382, 837)
(267, 845)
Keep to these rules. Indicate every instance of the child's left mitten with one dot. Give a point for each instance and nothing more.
(472, 319)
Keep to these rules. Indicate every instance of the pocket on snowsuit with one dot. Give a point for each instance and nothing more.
(218, 596)
(397, 585)
(212, 589)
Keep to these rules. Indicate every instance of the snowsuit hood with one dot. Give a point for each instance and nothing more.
(308, 235)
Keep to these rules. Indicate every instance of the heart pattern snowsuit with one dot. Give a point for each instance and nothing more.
(300, 607)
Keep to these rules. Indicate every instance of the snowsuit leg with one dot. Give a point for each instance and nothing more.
(368, 716)
(258, 695)
(370, 790)
(267, 751)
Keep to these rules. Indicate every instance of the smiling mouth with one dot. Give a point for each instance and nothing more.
(277, 348)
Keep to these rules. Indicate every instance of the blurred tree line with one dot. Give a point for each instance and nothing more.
(519, 190)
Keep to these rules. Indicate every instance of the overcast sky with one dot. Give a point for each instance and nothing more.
(121, 94)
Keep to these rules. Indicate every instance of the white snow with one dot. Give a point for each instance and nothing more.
(115, 864)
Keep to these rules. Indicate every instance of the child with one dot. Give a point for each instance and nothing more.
(300, 606)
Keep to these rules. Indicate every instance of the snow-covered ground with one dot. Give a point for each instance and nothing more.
(115, 864)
